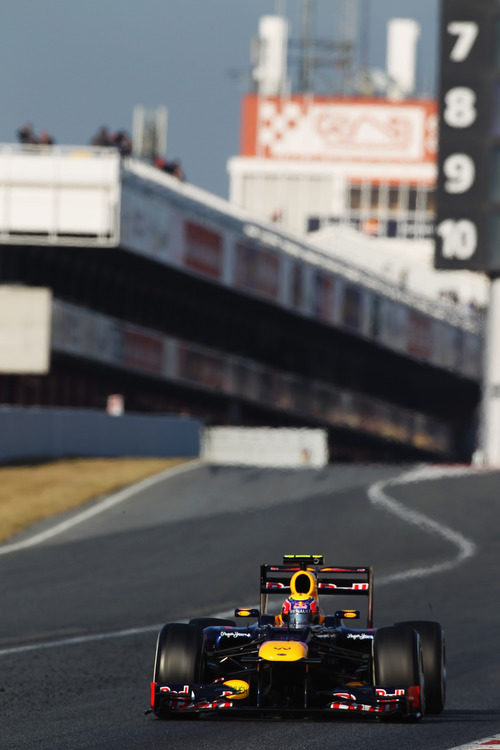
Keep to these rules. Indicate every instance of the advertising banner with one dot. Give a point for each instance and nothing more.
(244, 379)
(471, 364)
(323, 296)
(142, 350)
(419, 335)
(447, 345)
(335, 129)
(203, 250)
(207, 368)
(393, 321)
(257, 270)
(296, 295)
(81, 333)
(145, 222)
(352, 308)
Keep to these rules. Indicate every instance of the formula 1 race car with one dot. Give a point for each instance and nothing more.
(301, 660)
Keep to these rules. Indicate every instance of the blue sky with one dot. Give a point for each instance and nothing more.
(70, 66)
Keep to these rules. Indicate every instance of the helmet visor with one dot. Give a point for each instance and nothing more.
(299, 618)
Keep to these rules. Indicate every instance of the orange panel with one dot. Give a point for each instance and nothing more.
(249, 108)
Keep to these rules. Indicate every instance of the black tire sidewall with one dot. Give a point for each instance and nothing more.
(396, 657)
(398, 661)
(434, 658)
(178, 656)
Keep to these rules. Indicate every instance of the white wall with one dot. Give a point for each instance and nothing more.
(265, 446)
(25, 329)
(65, 192)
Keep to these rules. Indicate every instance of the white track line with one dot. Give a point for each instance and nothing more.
(93, 638)
(97, 508)
(75, 640)
(380, 499)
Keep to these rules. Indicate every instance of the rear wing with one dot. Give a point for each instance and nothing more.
(331, 581)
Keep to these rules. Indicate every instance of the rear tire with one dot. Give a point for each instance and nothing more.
(397, 660)
(434, 656)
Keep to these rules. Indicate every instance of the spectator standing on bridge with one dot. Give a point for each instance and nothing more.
(102, 137)
(26, 135)
(170, 167)
(122, 142)
(46, 139)
(176, 170)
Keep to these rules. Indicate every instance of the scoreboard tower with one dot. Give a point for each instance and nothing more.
(467, 234)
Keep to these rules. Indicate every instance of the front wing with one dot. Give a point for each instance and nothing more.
(218, 696)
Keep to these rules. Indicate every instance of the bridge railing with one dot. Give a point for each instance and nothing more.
(73, 195)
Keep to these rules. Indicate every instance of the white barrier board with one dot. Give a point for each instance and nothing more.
(265, 446)
(25, 315)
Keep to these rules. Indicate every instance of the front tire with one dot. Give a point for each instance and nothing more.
(434, 656)
(178, 657)
(178, 654)
(397, 660)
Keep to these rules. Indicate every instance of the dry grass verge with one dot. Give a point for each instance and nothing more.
(33, 493)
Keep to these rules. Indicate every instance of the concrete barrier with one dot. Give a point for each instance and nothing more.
(27, 433)
(265, 446)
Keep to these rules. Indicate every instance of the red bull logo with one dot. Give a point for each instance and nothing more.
(303, 605)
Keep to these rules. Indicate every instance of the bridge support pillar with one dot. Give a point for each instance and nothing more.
(489, 435)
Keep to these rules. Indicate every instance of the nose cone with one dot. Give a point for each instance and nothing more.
(283, 651)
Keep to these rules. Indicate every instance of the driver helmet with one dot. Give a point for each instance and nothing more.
(300, 612)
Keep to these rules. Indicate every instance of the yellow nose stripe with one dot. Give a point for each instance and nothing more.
(283, 651)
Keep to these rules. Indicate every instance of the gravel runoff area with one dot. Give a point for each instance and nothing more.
(31, 493)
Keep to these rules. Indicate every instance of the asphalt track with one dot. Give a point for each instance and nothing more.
(80, 609)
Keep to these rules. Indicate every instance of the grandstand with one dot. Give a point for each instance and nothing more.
(182, 302)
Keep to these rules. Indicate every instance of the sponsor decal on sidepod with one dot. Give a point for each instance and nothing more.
(360, 636)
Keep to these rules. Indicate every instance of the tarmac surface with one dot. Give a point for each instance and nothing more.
(81, 609)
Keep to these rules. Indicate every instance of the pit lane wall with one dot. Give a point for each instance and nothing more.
(72, 195)
(45, 433)
(265, 446)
